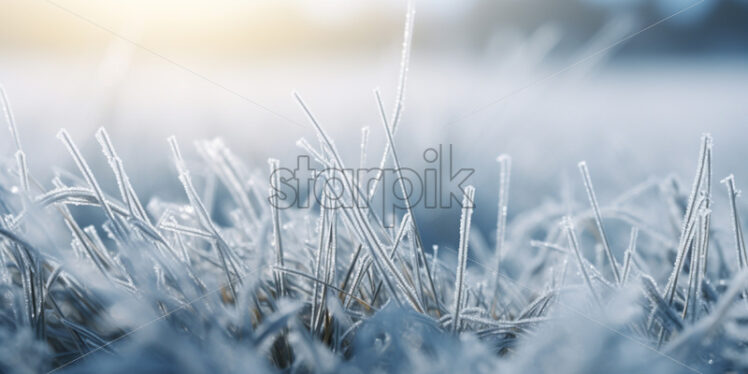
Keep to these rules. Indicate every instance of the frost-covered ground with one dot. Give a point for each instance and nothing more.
(630, 119)
(140, 255)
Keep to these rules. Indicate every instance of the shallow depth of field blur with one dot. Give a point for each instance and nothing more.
(640, 104)
(627, 85)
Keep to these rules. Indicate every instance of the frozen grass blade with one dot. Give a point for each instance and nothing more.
(351, 267)
(505, 172)
(23, 171)
(330, 262)
(468, 202)
(693, 292)
(698, 197)
(202, 214)
(598, 219)
(400, 96)
(416, 236)
(737, 228)
(126, 190)
(88, 175)
(278, 244)
(10, 118)
(700, 181)
(318, 260)
(694, 201)
(630, 253)
(573, 244)
(219, 158)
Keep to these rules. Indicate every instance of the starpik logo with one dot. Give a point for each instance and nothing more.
(437, 185)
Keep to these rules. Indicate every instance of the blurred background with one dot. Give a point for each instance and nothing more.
(628, 85)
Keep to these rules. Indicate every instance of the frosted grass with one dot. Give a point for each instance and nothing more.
(347, 277)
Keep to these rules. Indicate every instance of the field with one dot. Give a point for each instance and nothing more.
(600, 228)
